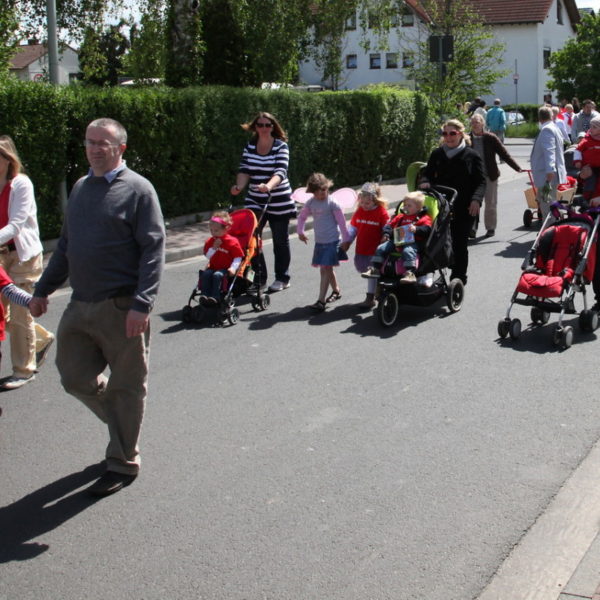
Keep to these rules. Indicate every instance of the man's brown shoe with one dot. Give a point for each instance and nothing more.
(110, 483)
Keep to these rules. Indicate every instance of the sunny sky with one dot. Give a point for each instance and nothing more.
(595, 4)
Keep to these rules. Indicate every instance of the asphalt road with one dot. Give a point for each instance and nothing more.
(297, 456)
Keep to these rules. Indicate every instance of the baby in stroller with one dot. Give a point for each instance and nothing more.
(405, 231)
(224, 254)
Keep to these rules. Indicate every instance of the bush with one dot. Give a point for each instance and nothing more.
(189, 142)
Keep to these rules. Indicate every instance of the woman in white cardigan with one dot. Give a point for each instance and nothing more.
(21, 256)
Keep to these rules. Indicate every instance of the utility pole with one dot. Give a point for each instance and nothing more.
(52, 41)
(53, 74)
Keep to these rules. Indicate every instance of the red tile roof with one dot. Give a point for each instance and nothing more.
(26, 54)
(507, 12)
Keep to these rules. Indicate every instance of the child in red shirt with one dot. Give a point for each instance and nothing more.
(224, 255)
(366, 227)
(587, 153)
(414, 226)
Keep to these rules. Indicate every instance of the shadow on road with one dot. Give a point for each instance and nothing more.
(538, 339)
(42, 511)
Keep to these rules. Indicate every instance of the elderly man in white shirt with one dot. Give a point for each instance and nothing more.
(547, 161)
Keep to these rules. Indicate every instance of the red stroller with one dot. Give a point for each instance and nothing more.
(560, 264)
(244, 228)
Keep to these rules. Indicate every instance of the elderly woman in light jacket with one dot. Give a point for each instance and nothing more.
(21, 256)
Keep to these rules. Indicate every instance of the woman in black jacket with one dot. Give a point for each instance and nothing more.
(456, 165)
(487, 145)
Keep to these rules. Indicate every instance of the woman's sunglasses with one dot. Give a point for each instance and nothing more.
(267, 125)
(449, 133)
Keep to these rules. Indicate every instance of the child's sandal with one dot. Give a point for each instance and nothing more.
(333, 296)
(318, 306)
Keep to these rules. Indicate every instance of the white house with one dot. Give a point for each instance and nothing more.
(30, 63)
(530, 30)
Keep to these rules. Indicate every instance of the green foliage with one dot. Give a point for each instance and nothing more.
(574, 68)
(474, 68)
(8, 38)
(38, 118)
(184, 44)
(147, 54)
(189, 142)
(101, 54)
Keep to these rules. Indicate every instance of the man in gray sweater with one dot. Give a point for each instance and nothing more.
(112, 250)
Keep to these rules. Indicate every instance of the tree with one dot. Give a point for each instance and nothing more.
(101, 54)
(146, 57)
(252, 41)
(474, 67)
(226, 60)
(184, 44)
(574, 68)
(9, 25)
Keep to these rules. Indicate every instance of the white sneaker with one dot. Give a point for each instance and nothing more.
(278, 286)
(14, 383)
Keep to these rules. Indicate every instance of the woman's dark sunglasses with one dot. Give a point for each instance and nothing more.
(451, 133)
(267, 125)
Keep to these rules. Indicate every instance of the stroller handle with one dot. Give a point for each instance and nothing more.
(446, 190)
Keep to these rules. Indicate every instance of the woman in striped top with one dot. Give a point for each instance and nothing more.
(263, 169)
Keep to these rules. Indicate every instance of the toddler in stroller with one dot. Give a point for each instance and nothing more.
(405, 232)
(224, 255)
(233, 243)
(560, 263)
(435, 256)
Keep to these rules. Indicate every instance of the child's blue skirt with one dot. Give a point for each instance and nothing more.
(327, 255)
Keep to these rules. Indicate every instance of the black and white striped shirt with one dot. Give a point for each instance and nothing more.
(261, 168)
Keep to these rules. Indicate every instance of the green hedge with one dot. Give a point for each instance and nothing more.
(189, 142)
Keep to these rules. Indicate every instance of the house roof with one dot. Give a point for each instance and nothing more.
(512, 12)
(27, 54)
(521, 11)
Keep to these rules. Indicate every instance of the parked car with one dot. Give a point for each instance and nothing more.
(515, 118)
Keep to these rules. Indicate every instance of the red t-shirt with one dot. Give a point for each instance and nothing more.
(369, 224)
(590, 150)
(4, 281)
(223, 257)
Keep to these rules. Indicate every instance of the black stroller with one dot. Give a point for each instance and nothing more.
(432, 283)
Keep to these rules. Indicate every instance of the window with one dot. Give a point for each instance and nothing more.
(375, 61)
(547, 58)
(351, 60)
(391, 60)
(408, 17)
(408, 60)
(373, 20)
(351, 22)
(559, 16)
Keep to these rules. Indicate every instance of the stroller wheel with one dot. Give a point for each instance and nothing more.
(186, 314)
(503, 327)
(455, 295)
(234, 316)
(387, 309)
(539, 316)
(197, 314)
(563, 337)
(588, 320)
(527, 218)
(566, 337)
(514, 329)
